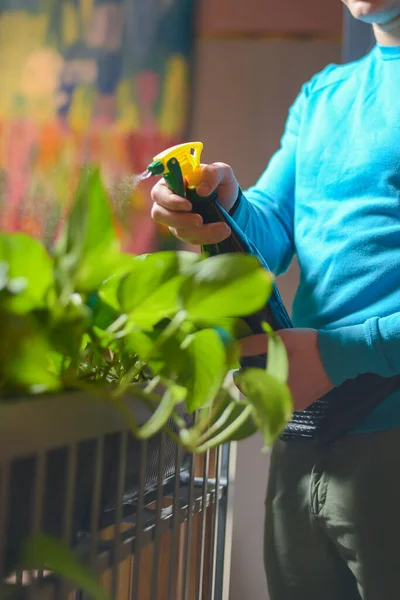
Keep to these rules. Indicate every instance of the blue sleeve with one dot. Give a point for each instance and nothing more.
(265, 211)
(371, 347)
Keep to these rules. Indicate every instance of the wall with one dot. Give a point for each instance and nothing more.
(243, 87)
(269, 15)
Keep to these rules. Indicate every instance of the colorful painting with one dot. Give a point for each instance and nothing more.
(89, 81)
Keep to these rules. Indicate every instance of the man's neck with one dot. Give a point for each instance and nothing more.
(388, 34)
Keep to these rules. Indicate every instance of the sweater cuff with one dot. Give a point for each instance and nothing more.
(239, 211)
(237, 203)
(348, 352)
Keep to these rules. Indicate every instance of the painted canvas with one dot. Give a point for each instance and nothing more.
(89, 81)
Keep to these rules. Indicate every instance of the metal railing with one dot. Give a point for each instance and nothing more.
(150, 520)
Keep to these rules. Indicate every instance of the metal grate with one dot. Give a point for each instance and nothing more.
(149, 519)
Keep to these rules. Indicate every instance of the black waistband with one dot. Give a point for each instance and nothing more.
(341, 410)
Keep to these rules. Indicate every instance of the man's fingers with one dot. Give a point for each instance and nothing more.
(163, 196)
(213, 176)
(211, 233)
(178, 219)
(254, 345)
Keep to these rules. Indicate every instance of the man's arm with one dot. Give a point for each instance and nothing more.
(371, 347)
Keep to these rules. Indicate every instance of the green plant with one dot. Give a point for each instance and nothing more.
(84, 315)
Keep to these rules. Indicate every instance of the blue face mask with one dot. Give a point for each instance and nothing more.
(384, 17)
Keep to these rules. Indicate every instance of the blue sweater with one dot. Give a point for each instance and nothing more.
(331, 196)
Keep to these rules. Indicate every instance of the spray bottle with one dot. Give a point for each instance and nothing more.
(181, 168)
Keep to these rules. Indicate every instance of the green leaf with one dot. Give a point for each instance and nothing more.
(203, 369)
(271, 401)
(30, 272)
(198, 363)
(150, 292)
(162, 303)
(66, 333)
(103, 314)
(139, 343)
(109, 288)
(46, 552)
(25, 363)
(229, 285)
(88, 249)
(246, 430)
(277, 359)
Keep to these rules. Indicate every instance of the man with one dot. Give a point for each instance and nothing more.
(330, 195)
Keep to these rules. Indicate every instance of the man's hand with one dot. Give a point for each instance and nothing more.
(308, 380)
(174, 211)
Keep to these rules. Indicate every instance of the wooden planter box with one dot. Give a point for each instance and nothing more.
(68, 464)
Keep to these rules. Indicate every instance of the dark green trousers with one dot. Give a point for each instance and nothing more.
(333, 519)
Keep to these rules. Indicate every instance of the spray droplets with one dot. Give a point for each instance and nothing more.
(122, 191)
(125, 186)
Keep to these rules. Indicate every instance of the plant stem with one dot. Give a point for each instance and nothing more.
(117, 324)
(179, 422)
(224, 435)
(147, 397)
(174, 437)
(204, 421)
(218, 424)
(153, 384)
(159, 417)
(150, 402)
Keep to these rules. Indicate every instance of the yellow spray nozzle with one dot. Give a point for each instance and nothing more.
(188, 156)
